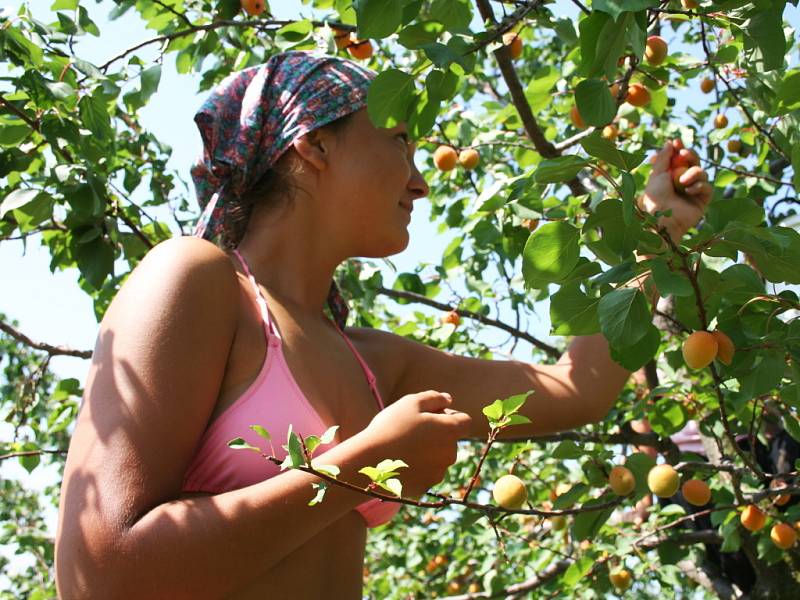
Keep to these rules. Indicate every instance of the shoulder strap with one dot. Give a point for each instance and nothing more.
(371, 379)
(262, 301)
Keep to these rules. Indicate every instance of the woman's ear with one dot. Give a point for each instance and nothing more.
(315, 148)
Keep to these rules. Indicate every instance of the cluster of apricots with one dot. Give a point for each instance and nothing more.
(446, 158)
(357, 48)
(682, 159)
(663, 481)
(702, 347)
(783, 535)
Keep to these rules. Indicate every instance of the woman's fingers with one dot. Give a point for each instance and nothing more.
(701, 190)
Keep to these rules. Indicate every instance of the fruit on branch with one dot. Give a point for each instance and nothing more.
(452, 317)
(253, 7)
(445, 158)
(706, 85)
(735, 146)
(474, 588)
(453, 587)
(689, 4)
(725, 347)
(509, 492)
(752, 518)
(435, 563)
(655, 50)
(783, 536)
(530, 224)
(610, 132)
(561, 488)
(720, 121)
(699, 349)
(514, 43)
(341, 38)
(663, 481)
(614, 89)
(620, 579)
(360, 49)
(777, 484)
(558, 522)
(621, 480)
(469, 158)
(696, 492)
(677, 173)
(576, 118)
(638, 95)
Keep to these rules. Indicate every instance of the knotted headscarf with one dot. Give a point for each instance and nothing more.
(253, 116)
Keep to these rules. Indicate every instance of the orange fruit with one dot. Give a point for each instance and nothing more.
(610, 132)
(777, 484)
(753, 518)
(341, 38)
(577, 120)
(700, 348)
(253, 7)
(360, 49)
(621, 579)
(720, 121)
(783, 536)
(638, 95)
(689, 4)
(696, 492)
(614, 89)
(514, 43)
(655, 50)
(445, 158)
(469, 158)
(621, 480)
(707, 85)
(663, 481)
(452, 317)
(734, 146)
(530, 224)
(725, 347)
(509, 492)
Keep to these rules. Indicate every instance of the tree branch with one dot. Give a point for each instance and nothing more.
(50, 349)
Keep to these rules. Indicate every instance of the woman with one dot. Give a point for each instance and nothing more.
(202, 341)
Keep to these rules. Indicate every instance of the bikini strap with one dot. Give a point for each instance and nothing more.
(262, 301)
(371, 379)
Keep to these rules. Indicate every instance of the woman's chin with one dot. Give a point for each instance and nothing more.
(387, 246)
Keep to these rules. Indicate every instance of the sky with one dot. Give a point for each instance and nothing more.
(51, 307)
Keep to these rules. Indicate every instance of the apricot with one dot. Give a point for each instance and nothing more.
(453, 587)
(445, 158)
(253, 7)
(341, 38)
(474, 588)
(689, 4)
(734, 146)
(699, 349)
(638, 95)
(696, 492)
(783, 536)
(720, 121)
(530, 224)
(777, 484)
(614, 89)
(610, 132)
(752, 518)
(509, 492)
(677, 173)
(452, 317)
(558, 522)
(621, 480)
(725, 347)
(655, 50)
(663, 481)
(706, 85)
(514, 43)
(360, 49)
(469, 158)
(577, 120)
(621, 579)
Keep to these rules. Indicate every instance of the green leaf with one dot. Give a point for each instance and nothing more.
(577, 571)
(788, 97)
(513, 403)
(330, 470)
(610, 45)
(389, 98)
(329, 435)
(624, 316)
(595, 104)
(667, 281)
(12, 135)
(394, 486)
(539, 88)
(95, 261)
(555, 170)
(616, 7)
(572, 312)
(240, 444)
(550, 253)
(441, 85)
(311, 442)
(599, 147)
(455, 15)
(494, 411)
(94, 115)
(416, 35)
(295, 449)
(17, 199)
(667, 416)
(261, 431)
(766, 374)
(765, 29)
(321, 488)
(389, 464)
(567, 449)
(637, 355)
(586, 525)
(378, 19)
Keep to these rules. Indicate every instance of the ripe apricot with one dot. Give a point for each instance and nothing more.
(777, 484)
(696, 492)
(663, 481)
(474, 588)
(253, 7)
(514, 43)
(614, 89)
(677, 173)
(469, 158)
(610, 132)
(734, 146)
(725, 347)
(720, 121)
(360, 49)
(558, 522)
(638, 95)
(445, 158)
(452, 317)
(530, 224)
(689, 4)
(509, 492)
(783, 536)
(341, 38)
(655, 50)
(706, 85)
(752, 518)
(621, 480)
(453, 587)
(621, 579)
(699, 349)
(577, 120)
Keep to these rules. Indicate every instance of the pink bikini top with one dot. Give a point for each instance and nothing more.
(273, 400)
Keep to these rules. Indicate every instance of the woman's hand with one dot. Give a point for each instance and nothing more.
(660, 194)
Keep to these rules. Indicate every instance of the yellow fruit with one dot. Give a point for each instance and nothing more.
(509, 492)
(752, 518)
(445, 158)
(514, 43)
(725, 347)
(253, 7)
(577, 120)
(720, 121)
(638, 95)
(620, 579)
(696, 492)
(474, 588)
(453, 587)
(663, 481)
(621, 481)
(558, 522)
(783, 536)
(655, 51)
(699, 349)
(469, 158)
(707, 85)
(610, 132)
(689, 4)
(735, 146)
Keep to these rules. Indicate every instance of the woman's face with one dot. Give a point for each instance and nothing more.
(370, 186)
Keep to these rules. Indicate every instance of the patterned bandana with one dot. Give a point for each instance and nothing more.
(253, 116)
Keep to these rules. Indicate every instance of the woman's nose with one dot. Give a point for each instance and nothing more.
(417, 183)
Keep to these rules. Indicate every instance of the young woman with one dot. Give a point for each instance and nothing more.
(206, 339)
